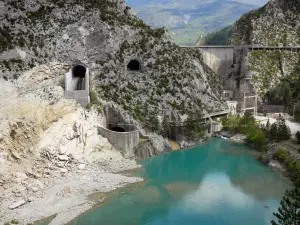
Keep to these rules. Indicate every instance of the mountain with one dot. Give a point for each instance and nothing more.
(277, 22)
(221, 37)
(137, 75)
(106, 35)
(187, 20)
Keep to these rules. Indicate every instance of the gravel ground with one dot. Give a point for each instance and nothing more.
(68, 195)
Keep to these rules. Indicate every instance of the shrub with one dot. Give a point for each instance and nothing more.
(280, 155)
(94, 97)
(280, 131)
(263, 148)
(297, 112)
(256, 136)
(293, 167)
(264, 158)
(298, 137)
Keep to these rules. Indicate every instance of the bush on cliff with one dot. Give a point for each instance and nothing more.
(298, 136)
(280, 155)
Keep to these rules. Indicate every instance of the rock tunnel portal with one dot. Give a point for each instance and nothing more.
(78, 75)
(118, 129)
(134, 65)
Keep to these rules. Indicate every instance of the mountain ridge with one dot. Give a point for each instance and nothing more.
(187, 20)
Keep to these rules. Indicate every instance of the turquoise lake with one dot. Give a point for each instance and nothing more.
(218, 183)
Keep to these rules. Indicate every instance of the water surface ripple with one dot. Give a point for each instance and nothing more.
(219, 183)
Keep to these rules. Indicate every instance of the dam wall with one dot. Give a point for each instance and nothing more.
(219, 59)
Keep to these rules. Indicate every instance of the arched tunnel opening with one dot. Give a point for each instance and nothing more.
(134, 65)
(118, 129)
(79, 73)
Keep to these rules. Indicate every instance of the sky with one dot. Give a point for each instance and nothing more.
(144, 2)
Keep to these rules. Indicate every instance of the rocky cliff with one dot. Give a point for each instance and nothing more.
(275, 24)
(106, 36)
(278, 22)
(45, 137)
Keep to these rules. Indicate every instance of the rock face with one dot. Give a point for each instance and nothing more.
(106, 35)
(275, 24)
(268, 68)
(278, 22)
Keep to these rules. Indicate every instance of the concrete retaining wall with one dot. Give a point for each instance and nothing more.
(82, 97)
(126, 142)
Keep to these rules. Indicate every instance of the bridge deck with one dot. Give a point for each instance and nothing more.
(250, 47)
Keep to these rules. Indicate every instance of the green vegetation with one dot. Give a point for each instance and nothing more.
(14, 221)
(194, 128)
(297, 112)
(298, 136)
(248, 126)
(257, 134)
(221, 37)
(95, 101)
(195, 21)
(279, 131)
(280, 155)
(289, 210)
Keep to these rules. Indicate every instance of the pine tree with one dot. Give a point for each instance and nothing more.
(289, 210)
(284, 132)
(280, 130)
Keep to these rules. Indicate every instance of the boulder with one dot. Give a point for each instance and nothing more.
(63, 157)
(81, 166)
(20, 176)
(17, 204)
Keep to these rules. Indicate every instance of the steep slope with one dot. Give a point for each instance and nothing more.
(106, 36)
(221, 37)
(277, 22)
(187, 20)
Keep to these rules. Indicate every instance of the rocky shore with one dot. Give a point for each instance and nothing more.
(64, 191)
(51, 155)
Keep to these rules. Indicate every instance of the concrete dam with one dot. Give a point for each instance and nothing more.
(225, 59)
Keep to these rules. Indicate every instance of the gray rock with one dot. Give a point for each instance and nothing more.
(17, 204)
(63, 170)
(20, 176)
(63, 157)
(81, 166)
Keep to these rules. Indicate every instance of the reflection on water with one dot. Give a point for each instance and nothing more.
(217, 183)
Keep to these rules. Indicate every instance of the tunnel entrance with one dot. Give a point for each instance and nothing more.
(134, 65)
(79, 72)
(118, 129)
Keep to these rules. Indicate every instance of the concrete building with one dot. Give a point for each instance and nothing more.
(77, 84)
(232, 105)
(227, 94)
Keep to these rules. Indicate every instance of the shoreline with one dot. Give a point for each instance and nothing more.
(274, 164)
(69, 196)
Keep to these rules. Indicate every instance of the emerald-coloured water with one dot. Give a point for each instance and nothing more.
(219, 183)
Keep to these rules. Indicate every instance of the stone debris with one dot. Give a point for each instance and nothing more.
(63, 157)
(81, 166)
(17, 204)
